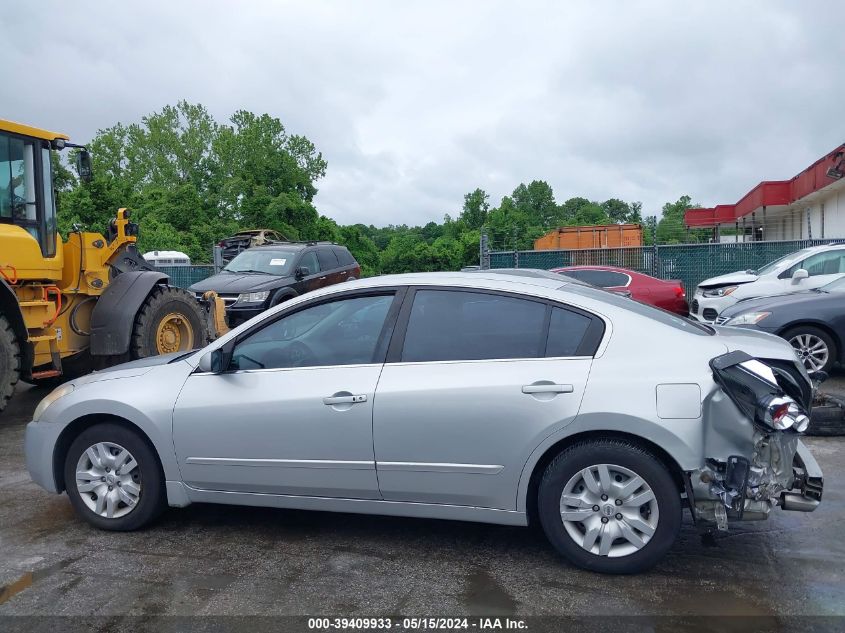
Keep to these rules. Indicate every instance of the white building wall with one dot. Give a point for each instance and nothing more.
(827, 219)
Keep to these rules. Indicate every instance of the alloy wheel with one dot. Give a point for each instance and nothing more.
(609, 510)
(812, 351)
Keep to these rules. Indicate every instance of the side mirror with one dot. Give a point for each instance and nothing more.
(799, 274)
(83, 166)
(302, 271)
(217, 361)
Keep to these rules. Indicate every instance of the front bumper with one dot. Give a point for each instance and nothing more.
(707, 309)
(39, 447)
(235, 315)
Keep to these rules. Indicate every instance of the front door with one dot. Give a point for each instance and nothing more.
(476, 387)
(293, 413)
(822, 268)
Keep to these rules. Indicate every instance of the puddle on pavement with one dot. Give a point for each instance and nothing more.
(7, 592)
(483, 595)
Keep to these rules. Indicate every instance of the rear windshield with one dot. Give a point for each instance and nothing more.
(641, 309)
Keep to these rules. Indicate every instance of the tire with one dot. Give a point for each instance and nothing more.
(812, 335)
(10, 361)
(827, 421)
(170, 320)
(660, 515)
(147, 476)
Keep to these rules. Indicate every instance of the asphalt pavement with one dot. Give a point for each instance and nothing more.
(213, 560)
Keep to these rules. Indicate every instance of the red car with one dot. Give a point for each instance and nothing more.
(669, 295)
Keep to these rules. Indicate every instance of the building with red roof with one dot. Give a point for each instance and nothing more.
(809, 206)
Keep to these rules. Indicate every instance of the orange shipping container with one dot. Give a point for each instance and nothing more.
(597, 236)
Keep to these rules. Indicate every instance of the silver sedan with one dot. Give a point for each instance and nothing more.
(470, 396)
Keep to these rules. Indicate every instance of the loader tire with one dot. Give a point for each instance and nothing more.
(10, 361)
(170, 320)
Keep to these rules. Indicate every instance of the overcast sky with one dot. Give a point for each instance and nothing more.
(413, 104)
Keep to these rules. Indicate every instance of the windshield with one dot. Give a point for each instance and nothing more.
(270, 261)
(834, 286)
(792, 257)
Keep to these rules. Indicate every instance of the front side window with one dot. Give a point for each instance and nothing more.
(342, 332)
(455, 325)
(309, 261)
(830, 263)
(17, 183)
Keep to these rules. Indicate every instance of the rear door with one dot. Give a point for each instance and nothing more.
(329, 266)
(473, 383)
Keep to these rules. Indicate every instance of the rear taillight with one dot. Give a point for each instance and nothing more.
(680, 293)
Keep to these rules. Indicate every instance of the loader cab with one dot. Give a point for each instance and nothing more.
(27, 198)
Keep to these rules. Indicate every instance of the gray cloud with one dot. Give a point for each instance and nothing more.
(414, 104)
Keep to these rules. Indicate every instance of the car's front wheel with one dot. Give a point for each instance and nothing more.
(609, 506)
(113, 478)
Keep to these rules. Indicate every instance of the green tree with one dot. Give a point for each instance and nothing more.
(475, 209)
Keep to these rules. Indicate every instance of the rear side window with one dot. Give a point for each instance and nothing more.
(453, 325)
(600, 278)
(567, 330)
(328, 259)
(344, 256)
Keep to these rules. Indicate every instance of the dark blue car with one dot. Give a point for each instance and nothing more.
(812, 321)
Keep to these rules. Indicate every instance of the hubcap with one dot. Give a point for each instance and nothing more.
(108, 480)
(174, 334)
(811, 350)
(609, 510)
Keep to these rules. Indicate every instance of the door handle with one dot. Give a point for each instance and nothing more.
(323, 278)
(547, 388)
(332, 400)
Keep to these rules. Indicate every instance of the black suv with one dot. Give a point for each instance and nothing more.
(264, 276)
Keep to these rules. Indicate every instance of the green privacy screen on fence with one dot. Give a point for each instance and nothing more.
(184, 276)
(690, 263)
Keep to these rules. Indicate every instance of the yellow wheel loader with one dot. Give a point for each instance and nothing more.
(69, 307)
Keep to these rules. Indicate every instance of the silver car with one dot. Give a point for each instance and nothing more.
(470, 396)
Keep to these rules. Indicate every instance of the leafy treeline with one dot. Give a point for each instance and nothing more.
(191, 181)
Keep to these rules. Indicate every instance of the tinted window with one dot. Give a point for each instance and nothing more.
(344, 256)
(453, 325)
(566, 331)
(309, 260)
(327, 258)
(600, 278)
(343, 332)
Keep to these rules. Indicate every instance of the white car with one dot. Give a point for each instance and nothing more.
(802, 270)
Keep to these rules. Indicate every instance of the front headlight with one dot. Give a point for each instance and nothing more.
(749, 318)
(719, 292)
(58, 392)
(253, 297)
(783, 413)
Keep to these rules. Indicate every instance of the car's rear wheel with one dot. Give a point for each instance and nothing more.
(609, 506)
(815, 347)
(113, 479)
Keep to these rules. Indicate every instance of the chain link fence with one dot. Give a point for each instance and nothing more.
(185, 276)
(689, 263)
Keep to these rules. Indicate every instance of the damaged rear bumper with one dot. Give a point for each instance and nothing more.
(751, 467)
